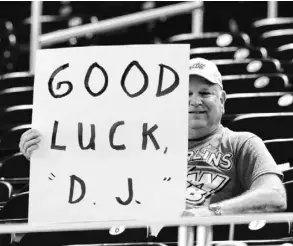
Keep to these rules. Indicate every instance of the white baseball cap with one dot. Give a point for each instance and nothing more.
(206, 69)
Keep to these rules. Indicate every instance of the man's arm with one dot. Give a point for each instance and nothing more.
(266, 194)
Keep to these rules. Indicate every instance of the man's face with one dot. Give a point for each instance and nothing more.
(206, 106)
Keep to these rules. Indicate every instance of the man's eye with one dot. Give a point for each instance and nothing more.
(204, 93)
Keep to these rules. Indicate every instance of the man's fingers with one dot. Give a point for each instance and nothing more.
(24, 134)
(28, 136)
(30, 143)
(30, 150)
(28, 139)
(31, 135)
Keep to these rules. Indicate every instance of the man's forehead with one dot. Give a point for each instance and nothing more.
(200, 80)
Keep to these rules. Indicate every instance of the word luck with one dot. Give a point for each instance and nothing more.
(146, 133)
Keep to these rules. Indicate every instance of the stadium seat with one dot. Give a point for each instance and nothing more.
(248, 66)
(267, 231)
(129, 235)
(51, 8)
(105, 10)
(211, 40)
(274, 39)
(16, 96)
(19, 185)
(264, 242)
(10, 139)
(170, 234)
(16, 79)
(287, 67)
(16, 115)
(174, 25)
(289, 191)
(270, 24)
(4, 153)
(15, 166)
(49, 23)
(16, 208)
(284, 52)
(241, 232)
(288, 175)
(256, 83)
(8, 47)
(266, 125)
(6, 190)
(281, 150)
(264, 102)
(73, 21)
(230, 53)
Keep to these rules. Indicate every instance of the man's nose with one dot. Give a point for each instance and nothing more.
(195, 100)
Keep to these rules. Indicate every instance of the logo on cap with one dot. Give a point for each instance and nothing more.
(198, 65)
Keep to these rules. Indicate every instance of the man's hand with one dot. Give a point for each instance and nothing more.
(198, 212)
(29, 142)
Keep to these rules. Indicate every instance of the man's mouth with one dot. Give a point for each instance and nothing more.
(197, 112)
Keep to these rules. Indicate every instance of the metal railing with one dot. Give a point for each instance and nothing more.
(108, 25)
(185, 225)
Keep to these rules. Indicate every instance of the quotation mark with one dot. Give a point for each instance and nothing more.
(138, 202)
(167, 179)
(52, 175)
(166, 149)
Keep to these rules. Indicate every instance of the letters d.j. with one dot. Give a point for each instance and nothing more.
(133, 64)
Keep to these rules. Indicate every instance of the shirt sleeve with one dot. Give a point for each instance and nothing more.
(254, 160)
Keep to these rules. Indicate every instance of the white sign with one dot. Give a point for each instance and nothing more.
(114, 125)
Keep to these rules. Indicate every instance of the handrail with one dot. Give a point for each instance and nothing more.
(118, 22)
(36, 9)
(184, 221)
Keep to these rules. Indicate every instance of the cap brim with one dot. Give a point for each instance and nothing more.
(205, 77)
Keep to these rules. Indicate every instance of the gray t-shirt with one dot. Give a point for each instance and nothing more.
(224, 165)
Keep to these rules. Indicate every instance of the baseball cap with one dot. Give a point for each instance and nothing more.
(206, 69)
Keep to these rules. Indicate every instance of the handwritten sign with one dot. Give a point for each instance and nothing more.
(114, 125)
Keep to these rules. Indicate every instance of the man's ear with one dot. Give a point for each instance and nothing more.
(223, 99)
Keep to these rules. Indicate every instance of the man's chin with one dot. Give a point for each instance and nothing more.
(197, 126)
(195, 130)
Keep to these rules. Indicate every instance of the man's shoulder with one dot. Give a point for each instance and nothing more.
(239, 137)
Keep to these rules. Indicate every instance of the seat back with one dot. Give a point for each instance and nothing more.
(20, 114)
(270, 24)
(127, 235)
(266, 126)
(267, 102)
(10, 139)
(248, 66)
(15, 166)
(253, 83)
(288, 175)
(276, 38)
(289, 190)
(16, 207)
(16, 79)
(230, 53)
(16, 96)
(281, 149)
(211, 39)
(6, 190)
(284, 52)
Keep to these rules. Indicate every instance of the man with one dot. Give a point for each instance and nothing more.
(228, 172)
